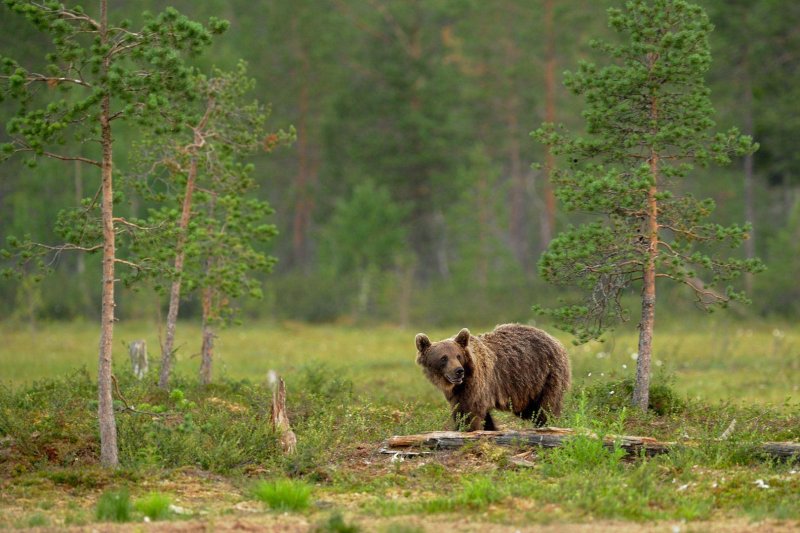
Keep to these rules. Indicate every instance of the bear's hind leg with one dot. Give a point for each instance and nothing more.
(488, 423)
(533, 411)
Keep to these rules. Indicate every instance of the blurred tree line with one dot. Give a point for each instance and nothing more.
(409, 195)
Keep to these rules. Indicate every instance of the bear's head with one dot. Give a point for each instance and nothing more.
(447, 363)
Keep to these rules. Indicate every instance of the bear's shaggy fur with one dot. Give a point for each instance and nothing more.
(513, 368)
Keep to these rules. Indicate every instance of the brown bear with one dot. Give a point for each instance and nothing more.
(513, 368)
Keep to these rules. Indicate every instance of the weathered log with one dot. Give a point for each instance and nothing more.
(279, 419)
(139, 361)
(550, 437)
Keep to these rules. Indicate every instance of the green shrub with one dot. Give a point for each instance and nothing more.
(154, 506)
(283, 494)
(114, 506)
(618, 394)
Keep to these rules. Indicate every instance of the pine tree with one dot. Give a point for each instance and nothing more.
(649, 122)
(208, 226)
(99, 73)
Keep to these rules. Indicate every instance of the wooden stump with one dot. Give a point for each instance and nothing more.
(139, 362)
(279, 419)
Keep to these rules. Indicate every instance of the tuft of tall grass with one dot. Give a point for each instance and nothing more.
(283, 494)
(154, 506)
(114, 506)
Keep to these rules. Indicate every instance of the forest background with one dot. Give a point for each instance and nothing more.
(409, 197)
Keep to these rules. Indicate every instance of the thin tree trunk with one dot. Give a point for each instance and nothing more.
(180, 254)
(207, 349)
(749, 200)
(175, 289)
(209, 315)
(483, 231)
(641, 391)
(105, 410)
(548, 219)
(518, 201)
(301, 210)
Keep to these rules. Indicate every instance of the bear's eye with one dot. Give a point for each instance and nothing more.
(443, 360)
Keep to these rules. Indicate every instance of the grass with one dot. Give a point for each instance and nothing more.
(350, 388)
(114, 506)
(711, 360)
(155, 506)
(283, 494)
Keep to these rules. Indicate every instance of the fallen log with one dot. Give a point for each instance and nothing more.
(550, 437)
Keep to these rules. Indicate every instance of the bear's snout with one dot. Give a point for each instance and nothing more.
(456, 377)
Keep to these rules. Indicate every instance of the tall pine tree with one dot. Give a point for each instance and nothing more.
(98, 74)
(649, 122)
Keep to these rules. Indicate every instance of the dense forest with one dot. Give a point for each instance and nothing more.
(405, 184)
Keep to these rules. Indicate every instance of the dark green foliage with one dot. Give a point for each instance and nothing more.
(648, 124)
(228, 225)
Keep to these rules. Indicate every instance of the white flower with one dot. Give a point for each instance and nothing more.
(612, 392)
(600, 355)
(683, 487)
(624, 366)
(778, 334)
(659, 362)
(589, 375)
(634, 356)
(760, 484)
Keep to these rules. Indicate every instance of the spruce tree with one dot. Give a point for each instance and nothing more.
(649, 122)
(96, 75)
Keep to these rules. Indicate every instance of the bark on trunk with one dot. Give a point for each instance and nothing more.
(175, 289)
(280, 420)
(641, 391)
(548, 219)
(105, 410)
(749, 200)
(207, 349)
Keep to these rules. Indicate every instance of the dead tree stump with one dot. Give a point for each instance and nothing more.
(139, 362)
(280, 420)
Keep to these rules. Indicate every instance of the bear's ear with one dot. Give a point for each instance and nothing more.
(462, 339)
(423, 342)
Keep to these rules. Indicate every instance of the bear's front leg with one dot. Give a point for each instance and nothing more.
(469, 420)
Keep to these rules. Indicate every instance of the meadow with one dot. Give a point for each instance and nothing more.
(206, 456)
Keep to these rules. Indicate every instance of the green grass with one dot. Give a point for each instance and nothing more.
(283, 494)
(154, 506)
(114, 506)
(351, 388)
(711, 359)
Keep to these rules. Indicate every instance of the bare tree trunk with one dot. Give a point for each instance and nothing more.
(207, 349)
(749, 200)
(209, 315)
(180, 254)
(641, 391)
(548, 219)
(175, 289)
(483, 231)
(105, 409)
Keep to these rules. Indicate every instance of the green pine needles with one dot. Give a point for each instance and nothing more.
(648, 125)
